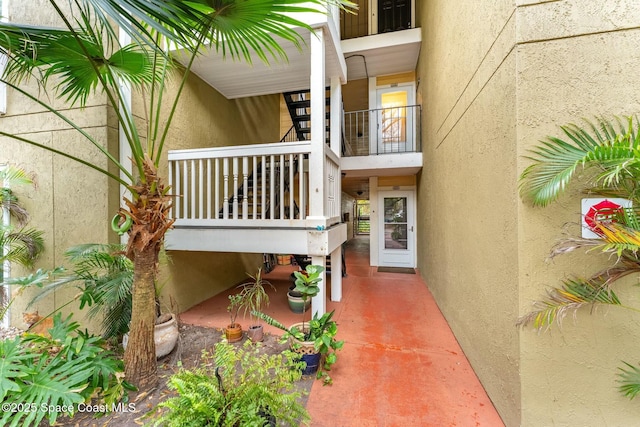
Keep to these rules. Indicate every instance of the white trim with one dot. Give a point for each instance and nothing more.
(4, 17)
(124, 148)
(392, 260)
(6, 266)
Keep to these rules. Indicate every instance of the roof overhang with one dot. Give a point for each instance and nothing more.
(382, 54)
(238, 79)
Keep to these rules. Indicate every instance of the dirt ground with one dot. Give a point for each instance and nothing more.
(193, 339)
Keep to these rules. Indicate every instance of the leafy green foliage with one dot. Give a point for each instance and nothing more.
(574, 294)
(611, 150)
(104, 276)
(22, 245)
(236, 386)
(253, 295)
(319, 330)
(62, 370)
(629, 379)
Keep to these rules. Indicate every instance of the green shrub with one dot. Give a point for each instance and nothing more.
(235, 387)
(45, 376)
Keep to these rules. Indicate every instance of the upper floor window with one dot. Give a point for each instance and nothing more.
(376, 17)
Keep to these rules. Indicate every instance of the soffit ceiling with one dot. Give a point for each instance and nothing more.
(382, 54)
(238, 79)
(376, 55)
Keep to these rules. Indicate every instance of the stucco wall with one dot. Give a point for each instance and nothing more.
(206, 119)
(492, 85)
(467, 192)
(70, 202)
(574, 59)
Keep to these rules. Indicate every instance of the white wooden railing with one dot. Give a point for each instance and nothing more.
(333, 186)
(263, 185)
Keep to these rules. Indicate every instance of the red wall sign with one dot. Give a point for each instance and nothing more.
(600, 210)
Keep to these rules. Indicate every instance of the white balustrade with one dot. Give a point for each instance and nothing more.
(263, 185)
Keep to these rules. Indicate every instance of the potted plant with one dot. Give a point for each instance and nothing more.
(314, 340)
(233, 331)
(304, 288)
(254, 297)
(294, 297)
(236, 386)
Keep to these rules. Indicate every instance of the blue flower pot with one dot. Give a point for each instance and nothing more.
(312, 361)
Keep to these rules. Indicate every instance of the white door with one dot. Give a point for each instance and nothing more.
(397, 229)
(394, 120)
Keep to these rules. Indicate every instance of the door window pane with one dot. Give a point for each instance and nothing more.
(394, 117)
(395, 223)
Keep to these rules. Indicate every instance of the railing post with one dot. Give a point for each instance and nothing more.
(225, 176)
(245, 187)
(235, 188)
(318, 111)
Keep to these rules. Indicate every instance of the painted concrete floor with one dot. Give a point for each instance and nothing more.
(400, 365)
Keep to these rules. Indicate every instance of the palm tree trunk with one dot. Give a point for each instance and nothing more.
(140, 355)
(150, 214)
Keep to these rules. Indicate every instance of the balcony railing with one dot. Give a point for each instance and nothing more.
(382, 131)
(263, 185)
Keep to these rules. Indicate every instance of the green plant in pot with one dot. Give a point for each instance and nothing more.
(305, 287)
(253, 298)
(233, 331)
(314, 340)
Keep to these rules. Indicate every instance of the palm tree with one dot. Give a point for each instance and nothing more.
(610, 151)
(86, 56)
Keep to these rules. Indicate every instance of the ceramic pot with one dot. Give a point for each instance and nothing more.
(233, 332)
(308, 351)
(296, 303)
(255, 333)
(165, 336)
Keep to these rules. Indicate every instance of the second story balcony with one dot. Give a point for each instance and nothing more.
(389, 130)
(386, 138)
(381, 39)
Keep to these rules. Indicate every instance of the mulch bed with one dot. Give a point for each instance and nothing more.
(193, 339)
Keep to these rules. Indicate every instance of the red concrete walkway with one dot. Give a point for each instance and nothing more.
(400, 366)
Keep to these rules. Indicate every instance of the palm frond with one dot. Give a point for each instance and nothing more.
(573, 295)
(600, 144)
(629, 380)
(11, 176)
(23, 246)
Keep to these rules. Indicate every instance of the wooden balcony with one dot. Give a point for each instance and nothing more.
(255, 198)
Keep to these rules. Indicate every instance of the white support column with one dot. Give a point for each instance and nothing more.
(319, 302)
(318, 109)
(336, 274)
(336, 115)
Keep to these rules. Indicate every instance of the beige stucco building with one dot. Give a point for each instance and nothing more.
(492, 78)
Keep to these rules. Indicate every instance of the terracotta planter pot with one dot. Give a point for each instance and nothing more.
(165, 336)
(256, 333)
(233, 332)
